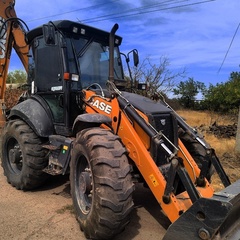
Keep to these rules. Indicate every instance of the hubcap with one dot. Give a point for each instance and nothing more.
(85, 182)
(84, 185)
(15, 159)
(15, 155)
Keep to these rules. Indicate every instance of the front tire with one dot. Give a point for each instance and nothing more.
(101, 183)
(23, 157)
(197, 151)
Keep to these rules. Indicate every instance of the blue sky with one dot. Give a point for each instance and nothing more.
(192, 36)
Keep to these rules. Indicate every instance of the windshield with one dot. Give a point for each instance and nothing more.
(90, 60)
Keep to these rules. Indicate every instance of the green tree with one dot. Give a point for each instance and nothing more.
(188, 90)
(224, 97)
(17, 76)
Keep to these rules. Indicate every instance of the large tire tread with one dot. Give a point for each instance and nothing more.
(112, 181)
(34, 156)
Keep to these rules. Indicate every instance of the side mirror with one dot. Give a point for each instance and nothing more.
(135, 57)
(49, 33)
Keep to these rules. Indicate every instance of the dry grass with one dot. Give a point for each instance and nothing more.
(225, 148)
(197, 118)
(221, 146)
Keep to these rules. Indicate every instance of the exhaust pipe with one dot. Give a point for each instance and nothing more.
(111, 52)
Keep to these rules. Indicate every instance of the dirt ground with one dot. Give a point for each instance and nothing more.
(47, 213)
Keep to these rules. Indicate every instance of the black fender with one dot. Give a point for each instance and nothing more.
(35, 115)
(88, 120)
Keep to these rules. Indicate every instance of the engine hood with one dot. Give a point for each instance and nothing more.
(145, 104)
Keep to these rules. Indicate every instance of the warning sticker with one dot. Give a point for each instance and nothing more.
(65, 147)
(154, 181)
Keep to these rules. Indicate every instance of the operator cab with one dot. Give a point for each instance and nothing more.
(69, 49)
(66, 57)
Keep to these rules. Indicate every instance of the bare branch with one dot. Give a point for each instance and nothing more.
(158, 77)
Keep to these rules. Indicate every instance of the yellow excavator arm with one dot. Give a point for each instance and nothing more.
(12, 35)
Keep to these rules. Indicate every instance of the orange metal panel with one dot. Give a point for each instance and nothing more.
(11, 35)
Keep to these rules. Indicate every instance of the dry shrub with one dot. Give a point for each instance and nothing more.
(12, 96)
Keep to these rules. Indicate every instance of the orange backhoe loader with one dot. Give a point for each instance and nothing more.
(78, 116)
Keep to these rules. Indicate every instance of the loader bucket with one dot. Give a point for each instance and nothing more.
(216, 218)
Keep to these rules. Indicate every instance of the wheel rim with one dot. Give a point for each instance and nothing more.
(83, 183)
(14, 155)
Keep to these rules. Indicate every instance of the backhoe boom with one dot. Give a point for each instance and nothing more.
(12, 35)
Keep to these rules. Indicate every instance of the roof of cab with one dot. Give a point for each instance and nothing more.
(71, 27)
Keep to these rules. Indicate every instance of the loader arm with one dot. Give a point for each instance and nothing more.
(133, 140)
(196, 213)
(12, 35)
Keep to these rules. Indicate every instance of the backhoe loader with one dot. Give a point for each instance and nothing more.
(77, 116)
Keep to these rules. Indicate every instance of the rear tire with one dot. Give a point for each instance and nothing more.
(23, 157)
(101, 183)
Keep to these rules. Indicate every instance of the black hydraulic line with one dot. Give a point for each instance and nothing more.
(219, 169)
(176, 167)
(171, 175)
(200, 181)
(188, 184)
